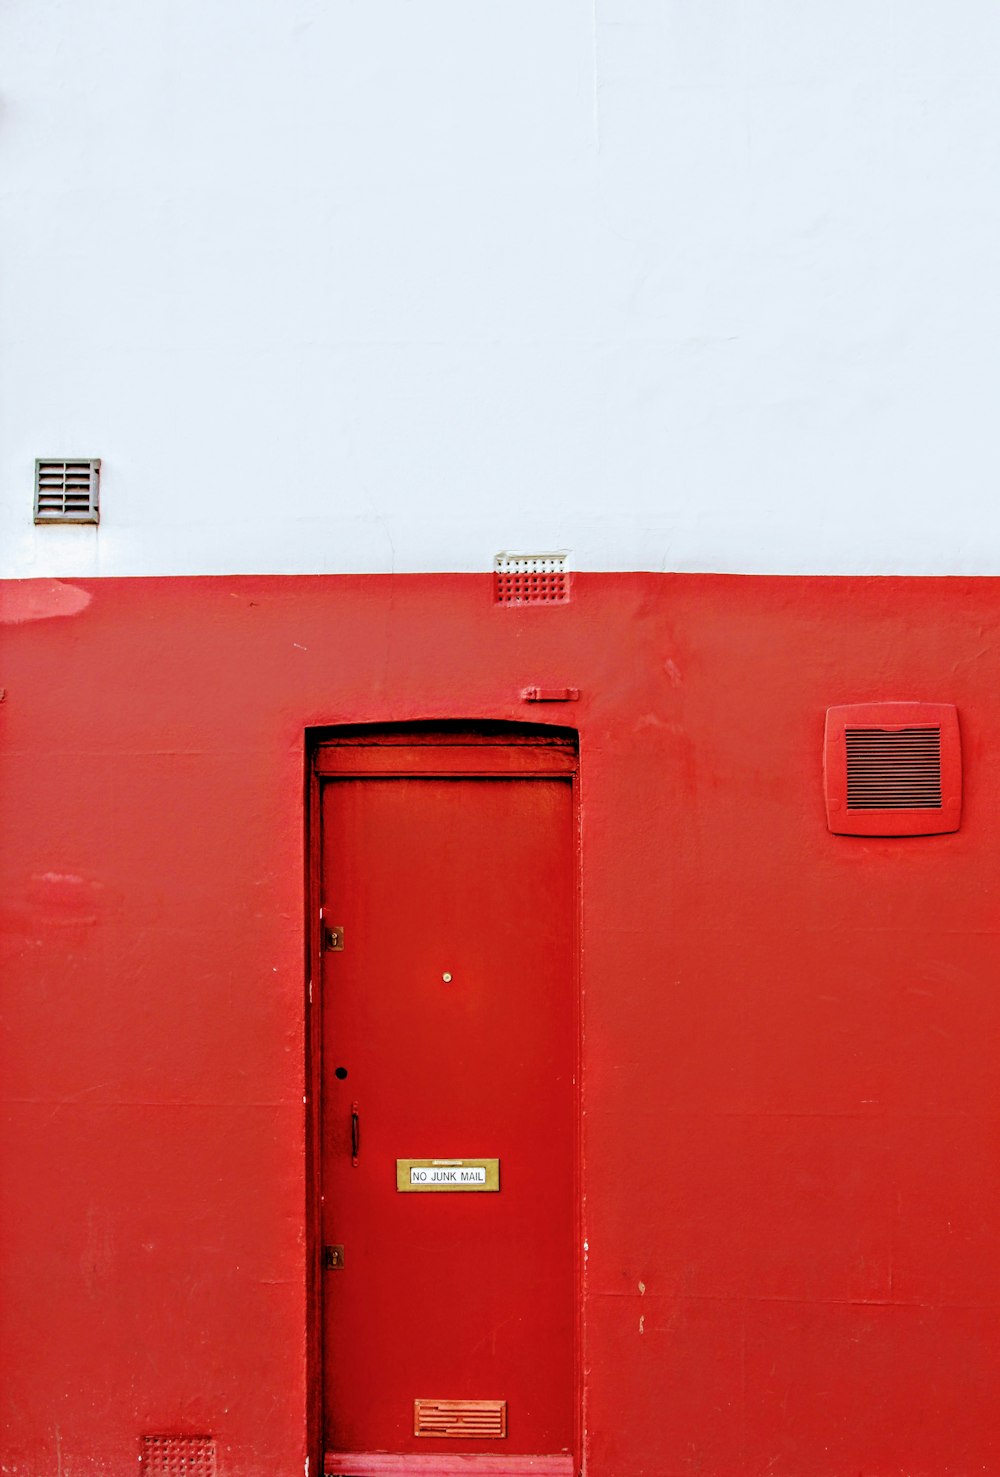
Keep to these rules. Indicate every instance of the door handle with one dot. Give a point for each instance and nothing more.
(355, 1133)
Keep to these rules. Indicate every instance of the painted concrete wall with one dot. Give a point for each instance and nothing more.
(790, 1117)
(344, 286)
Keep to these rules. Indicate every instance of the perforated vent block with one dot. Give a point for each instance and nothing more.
(893, 769)
(465, 1419)
(178, 1456)
(531, 579)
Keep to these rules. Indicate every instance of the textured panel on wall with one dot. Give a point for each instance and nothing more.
(178, 1456)
(893, 769)
(531, 579)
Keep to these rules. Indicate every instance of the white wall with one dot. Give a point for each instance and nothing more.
(339, 285)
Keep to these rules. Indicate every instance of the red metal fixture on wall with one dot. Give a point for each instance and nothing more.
(893, 769)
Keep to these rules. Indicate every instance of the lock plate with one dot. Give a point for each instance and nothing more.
(333, 1258)
(333, 938)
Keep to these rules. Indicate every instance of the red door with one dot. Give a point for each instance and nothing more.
(449, 1038)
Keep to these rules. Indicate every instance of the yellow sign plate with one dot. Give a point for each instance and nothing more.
(422, 1175)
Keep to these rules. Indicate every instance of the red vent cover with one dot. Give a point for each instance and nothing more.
(476, 1419)
(893, 769)
(531, 579)
(178, 1456)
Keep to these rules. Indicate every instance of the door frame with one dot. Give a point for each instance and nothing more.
(487, 749)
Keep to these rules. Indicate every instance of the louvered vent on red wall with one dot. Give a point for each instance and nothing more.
(466, 1419)
(893, 769)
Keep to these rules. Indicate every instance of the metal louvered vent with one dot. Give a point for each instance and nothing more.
(896, 769)
(892, 769)
(531, 579)
(178, 1456)
(67, 492)
(475, 1419)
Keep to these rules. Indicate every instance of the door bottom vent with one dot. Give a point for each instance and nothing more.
(466, 1419)
(178, 1456)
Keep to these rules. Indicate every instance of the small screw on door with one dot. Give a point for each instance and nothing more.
(333, 1258)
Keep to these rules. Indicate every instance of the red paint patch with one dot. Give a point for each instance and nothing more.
(40, 600)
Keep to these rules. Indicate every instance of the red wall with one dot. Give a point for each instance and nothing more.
(790, 1038)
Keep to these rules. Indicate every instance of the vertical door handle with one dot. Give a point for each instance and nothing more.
(355, 1133)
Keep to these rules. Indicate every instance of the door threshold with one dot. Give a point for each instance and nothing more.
(473, 1464)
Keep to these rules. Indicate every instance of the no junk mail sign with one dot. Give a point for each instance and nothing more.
(447, 1174)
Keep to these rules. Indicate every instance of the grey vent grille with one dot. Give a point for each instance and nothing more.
(893, 769)
(178, 1456)
(531, 579)
(67, 491)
